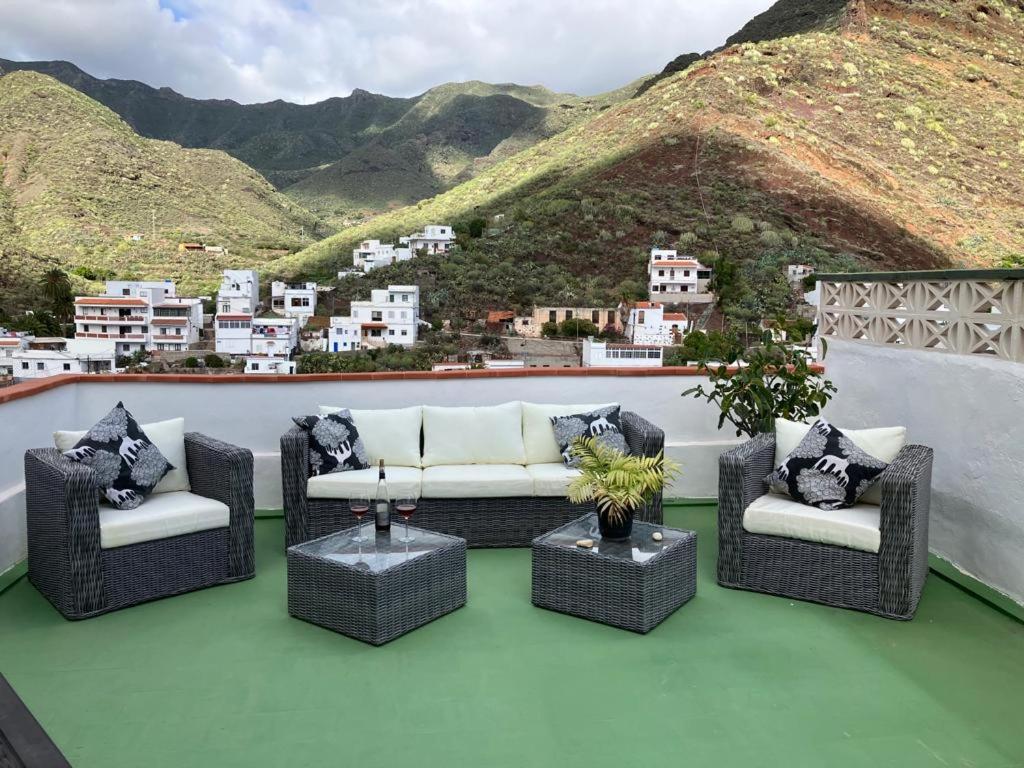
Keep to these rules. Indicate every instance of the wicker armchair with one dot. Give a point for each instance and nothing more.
(484, 522)
(67, 564)
(887, 583)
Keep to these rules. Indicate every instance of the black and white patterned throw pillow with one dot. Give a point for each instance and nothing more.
(826, 470)
(603, 424)
(127, 464)
(334, 443)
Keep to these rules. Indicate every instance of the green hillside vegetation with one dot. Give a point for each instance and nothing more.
(348, 158)
(76, 180)
(894, 141)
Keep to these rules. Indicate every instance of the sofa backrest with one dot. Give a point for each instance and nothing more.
(390, 434)
(538, 435)
(473, 435)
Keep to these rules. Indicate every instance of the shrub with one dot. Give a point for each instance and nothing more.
(578, 327)
(742, 224)
(687, 240)
(214, 361)
(192, 362)
(549, 329)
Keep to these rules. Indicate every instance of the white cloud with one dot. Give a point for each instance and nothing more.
(307, 50)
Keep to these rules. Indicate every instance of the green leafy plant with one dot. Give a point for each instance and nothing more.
(214, 361)
(191, 362)
(772, 380)
(617, 483)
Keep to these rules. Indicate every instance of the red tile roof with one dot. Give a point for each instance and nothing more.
(675, 316)
(498, 316)
(676, 263)
(648, 305)
(100, 301)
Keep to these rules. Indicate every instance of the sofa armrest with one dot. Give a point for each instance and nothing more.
(741, 479)
(903, 551)
(294, 476)
(645, 439)
(62, 515)
(221, 471)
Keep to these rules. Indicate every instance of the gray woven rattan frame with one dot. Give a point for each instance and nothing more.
(66, 563)
(495, 522)
(612, 590)
(888, 583)
(377, 607)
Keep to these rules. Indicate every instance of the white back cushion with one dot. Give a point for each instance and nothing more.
(473, 435)
(169, 438)
(882, 443)
(390, 434)
(538, 434)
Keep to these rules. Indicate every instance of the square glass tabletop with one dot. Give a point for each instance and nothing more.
(639, 548)
(379, 552)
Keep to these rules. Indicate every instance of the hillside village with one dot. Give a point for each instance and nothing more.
(135, 325)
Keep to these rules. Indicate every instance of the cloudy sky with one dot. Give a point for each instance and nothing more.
(307, 50)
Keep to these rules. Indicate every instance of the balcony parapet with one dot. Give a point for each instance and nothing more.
(966, 312)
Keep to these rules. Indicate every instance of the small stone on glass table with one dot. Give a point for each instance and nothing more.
(585, 543)
(657, 536)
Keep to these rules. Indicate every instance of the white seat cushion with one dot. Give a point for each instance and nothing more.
(402, 482)
(391, 434)
(476, 481)
(551, 479)
(881, 442)
(160, 516)
(538, 434)
(858, 527)
(169, 438)
(474, 435)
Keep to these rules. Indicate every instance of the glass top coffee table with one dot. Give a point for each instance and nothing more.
(380, 589)
(634, 584)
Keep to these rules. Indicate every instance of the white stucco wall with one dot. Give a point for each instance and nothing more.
(255, 415)
(970, 410)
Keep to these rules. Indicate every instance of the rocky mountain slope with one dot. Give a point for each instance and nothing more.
(347, 157)
(894, 139)
(75, 180)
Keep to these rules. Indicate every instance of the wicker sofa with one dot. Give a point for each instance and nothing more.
(887, 581)
(88, 560)
(476, 497)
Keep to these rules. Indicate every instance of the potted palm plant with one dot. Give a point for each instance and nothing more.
(617, 483)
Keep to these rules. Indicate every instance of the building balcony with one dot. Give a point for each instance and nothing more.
(224, 676)
(111, 319)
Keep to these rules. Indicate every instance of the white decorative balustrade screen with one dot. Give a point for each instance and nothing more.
(980, 313)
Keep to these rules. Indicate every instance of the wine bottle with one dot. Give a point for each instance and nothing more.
(382, 516)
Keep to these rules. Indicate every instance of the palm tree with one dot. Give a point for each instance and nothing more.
(56, 288)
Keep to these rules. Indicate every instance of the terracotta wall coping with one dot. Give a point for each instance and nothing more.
(29, 388)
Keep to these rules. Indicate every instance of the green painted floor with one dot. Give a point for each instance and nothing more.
(225, 678)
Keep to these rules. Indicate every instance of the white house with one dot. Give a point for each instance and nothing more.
(263, 364)
(9, 344)
(649, 323)
(233, 333)
(678, 278)
(372, 254)
(274, 336)
(297, 300)
(239, 292)
(391, 316)
(795, 273)
(139, 315)
(76, 356)
(435, 238)
(601, 354)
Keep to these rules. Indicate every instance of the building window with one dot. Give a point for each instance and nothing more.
(405, 333)
(67, 366)
(568, 314)
(255, 366)
(611, 317)
(595, 317)
(391, 332)
(24, 366)
(661, 273)
(40, 366)
(103, 329)
(126, 292)
(640, 317)
(552, 316)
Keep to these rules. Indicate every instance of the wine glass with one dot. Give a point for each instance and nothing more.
(359, 506)
(405, 507)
